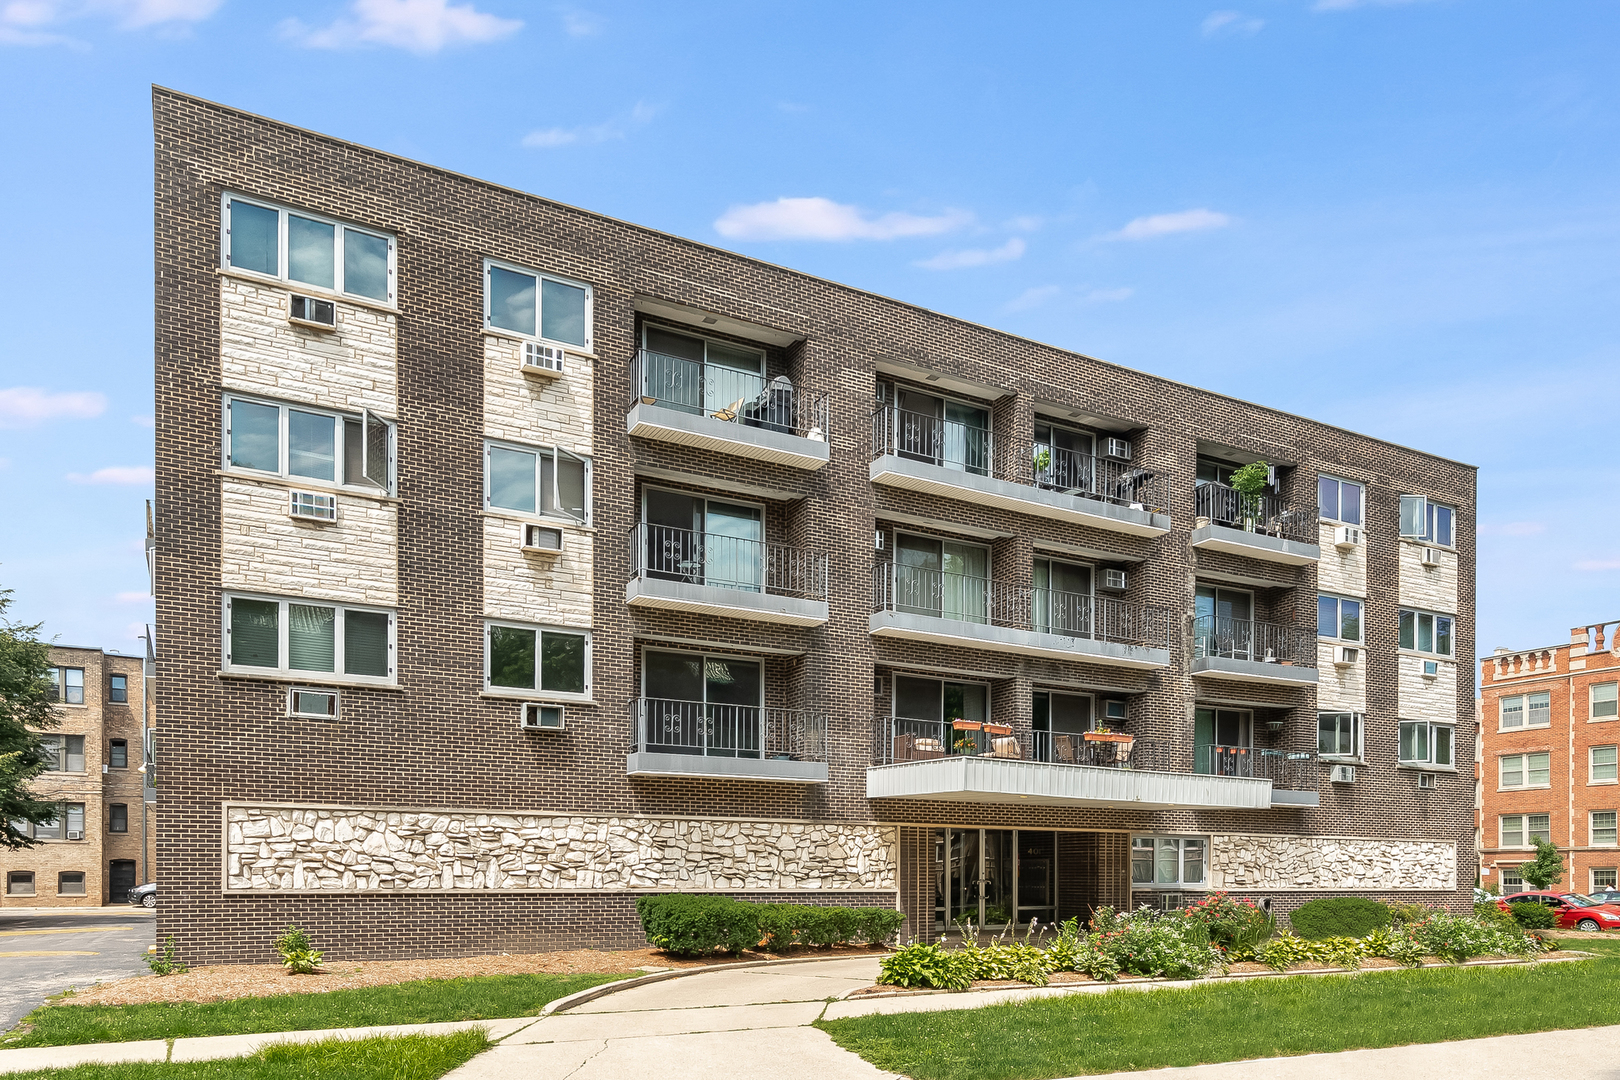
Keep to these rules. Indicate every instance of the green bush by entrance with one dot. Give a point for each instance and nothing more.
(1339, 916)
(695, 925)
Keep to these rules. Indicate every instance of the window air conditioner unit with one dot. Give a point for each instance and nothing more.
(1116, 710)
(307, 309)
(312, 506)
(541, 359)
(1348, 537)
(1171, 901)
(1431, 669)
(1346, 657)
(1342, 774)
(1113, 579)
(1426, 781)
(1117, 448)
(315, 704)
(1431, 557)
(538, 538)
(75, 836)
(541, 717)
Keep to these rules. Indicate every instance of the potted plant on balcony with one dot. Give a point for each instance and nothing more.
(1249, 482)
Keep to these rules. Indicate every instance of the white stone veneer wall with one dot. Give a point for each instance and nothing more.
(263, 550)
(332, 849)
(1429, 588)
(1324, 862)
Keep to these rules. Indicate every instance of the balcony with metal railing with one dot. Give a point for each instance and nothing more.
(1249, 650)
(1261, 526)
(718, 408)
(971, 761)
(920, 604)
(954, 460)
(706, 573)
(670, 737)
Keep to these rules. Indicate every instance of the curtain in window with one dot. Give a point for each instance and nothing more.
(967, 584)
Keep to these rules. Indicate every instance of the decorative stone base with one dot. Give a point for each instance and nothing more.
(1248, 862)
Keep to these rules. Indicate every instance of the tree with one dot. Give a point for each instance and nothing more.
(25, 710)
(1546, 869)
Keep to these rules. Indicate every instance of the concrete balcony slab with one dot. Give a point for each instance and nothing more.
(960, 778)
(899, 624)
(1255, 545)
(731, 768)
(660, 593)
(652, 421)
(1252, 671)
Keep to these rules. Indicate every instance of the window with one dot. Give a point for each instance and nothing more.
(70, 883)
(1426, 632)
(1062, 598)
(702, 541)
(698, 376)
(1425, 520)
(1525, 770)
(1339, 500)
(284, 636)
(1604, 700)
(1526, 710)
(1160, 861)
(67, 685)
(118, 689)
(68, 824)
(118, 817)
(19, 883)
(1523, 830)
(536, 305)
(1603, 828)
(537, 480)
(941, 578)
(1339, 618)
(951, 434)
(64, 753)
(309, 444)
(1511, 881)
(1338, 734)
(1603, 878)
(118, 754)
(1603, 765)
(530, 658)
(307, 250)
(1424, 743)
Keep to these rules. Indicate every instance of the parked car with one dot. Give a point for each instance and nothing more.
(1572, 910)
(144, 895)
(1607, 896)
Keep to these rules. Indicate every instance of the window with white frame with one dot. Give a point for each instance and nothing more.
(1425, 743)
(1602, 826)
(303, 443)
(1523, 830)
(537, 305)
(278, 636)
(1338, 734)
(1605, 700)
(536, 659)
(67, 824)
(1339, 500)
(1425, 632)
(545, 481)
(1425, 520)
(306, 250)
(1512, 881)
(67, 685)
(1603, 877)
(1338, 617)
(1525, 770)
(63, 753)
(1526, 710)
(1169, 861)
(1603, 766)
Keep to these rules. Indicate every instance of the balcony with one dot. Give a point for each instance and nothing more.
(708, 574)
(1259, 526)
(1293, 774)
(693, 738)
(920, 604)
(953, 460)
(1246, 650)
(717, 408)
(964, 761)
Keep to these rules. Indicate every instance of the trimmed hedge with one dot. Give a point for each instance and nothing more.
(692, 925)
(1533, 916)
(1339, 916)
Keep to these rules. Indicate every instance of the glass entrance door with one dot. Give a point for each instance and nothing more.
(995, 877)
(1223, 623)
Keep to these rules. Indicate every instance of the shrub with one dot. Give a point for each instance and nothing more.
(1009, 960)
(1491, 915)
(1533, 916)
(1143, 943)
(828, 925)
(298, 954)
(1235, 926)
(927, 966)
(693, 925)
(778, 926)
(1402, 914)
(1339, 916)
(1077, 951)
(1546, 869)
(875, 925)
(1459, 937)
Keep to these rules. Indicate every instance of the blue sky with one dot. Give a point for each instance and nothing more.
(1398, 217)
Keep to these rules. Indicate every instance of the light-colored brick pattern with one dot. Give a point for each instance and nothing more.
(1343, 573)
(533, 408)
(1330, 862)
(533, 587)
(1429, 588)
(1340, 689)
(1427, 698)
(265, 550)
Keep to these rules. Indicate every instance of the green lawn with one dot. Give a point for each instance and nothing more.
(489, 997)
(414, 1057)
(1124, 1029)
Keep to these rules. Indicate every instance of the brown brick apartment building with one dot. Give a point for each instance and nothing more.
(513, 560)
(1550, 729)
(104, 838)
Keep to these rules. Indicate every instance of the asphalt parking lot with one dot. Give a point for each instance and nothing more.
(45, 952)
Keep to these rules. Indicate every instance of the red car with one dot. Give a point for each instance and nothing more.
(1573, 911)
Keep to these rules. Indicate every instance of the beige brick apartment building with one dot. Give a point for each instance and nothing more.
(513, 560)
(104, 839)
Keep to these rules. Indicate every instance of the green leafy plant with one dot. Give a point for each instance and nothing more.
(1249, 482)
(298, 954)
(165, 961)
(1236, 926)
(1402, 914)
(874, 926)
(1144, 943)
(926, 966)
(1339, 916)
(695, 925)
(1043, 459)
(1533, 916)
(1546, 869)
(1461, 937)
(1395, 944)
(1490, 914)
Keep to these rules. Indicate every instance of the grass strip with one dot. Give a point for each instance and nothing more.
(428, 1001)
(1125, 1030)
(411, 1057)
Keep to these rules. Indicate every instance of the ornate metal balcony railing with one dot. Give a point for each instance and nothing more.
(1110, 480)
(899, 739)
(726, 562)
(948, 443)
(1269, 515)
(1247, 639)
(1291, 770)
(741, 397)
(672, 726)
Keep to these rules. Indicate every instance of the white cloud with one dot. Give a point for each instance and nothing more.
(1598, 564)
(1231, 22)
(1025, 223)
(816, 218)
(419, 26)
(591, 134)
(133, 598)
(1145, 228)
(24, 405)
(1107, 296)
(1346, 5)
(30, 22)
(957, 260)
(577, 23)
(144, 421)
(116, 474)
(1032, 298)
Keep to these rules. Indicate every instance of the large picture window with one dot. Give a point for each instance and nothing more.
(543, 481)
(1525, 770)
(536, 659)
(1339, 618)
(1425, 632)
(306, 250)
(307, 444)
(1339, 500)
(536, 305)
(1425, 743)
(276, 636)
(1526, 710)
(1169, 861)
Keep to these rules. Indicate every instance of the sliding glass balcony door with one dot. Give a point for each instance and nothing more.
(1063, 459)
(699, 376)
(1223, 623)
(702, 704)
(943, 432)
(1223, 742)
(704, 541)
(942, 579)
(1063, 602)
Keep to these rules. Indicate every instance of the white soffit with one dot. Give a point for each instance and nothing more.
(953, 384)
(1070, 414)
(700, 319)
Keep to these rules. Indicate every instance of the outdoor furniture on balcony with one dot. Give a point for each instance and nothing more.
(692, 738)
(1248, 650)
(1291, 771)
(1259, 526)
(708, 573)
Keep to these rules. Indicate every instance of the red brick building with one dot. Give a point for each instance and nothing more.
(1550, 733)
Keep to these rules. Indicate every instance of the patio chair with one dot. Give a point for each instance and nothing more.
(1006, 746)
(1063, 749)
(729, 413)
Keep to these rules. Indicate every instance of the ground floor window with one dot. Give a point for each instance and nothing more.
(1168, 861)
(1603, 878)
(1511, 881)
(20, 883)
(70, 883)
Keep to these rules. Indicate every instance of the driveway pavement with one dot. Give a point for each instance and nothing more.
(44, 952)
